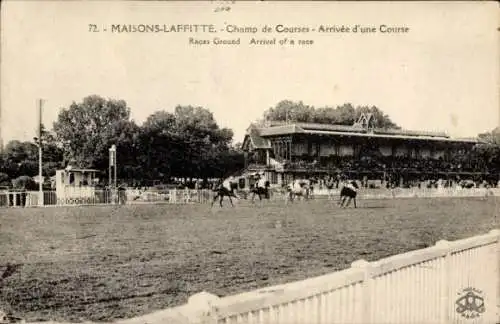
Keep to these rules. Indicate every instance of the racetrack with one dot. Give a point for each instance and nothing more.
(105, 263)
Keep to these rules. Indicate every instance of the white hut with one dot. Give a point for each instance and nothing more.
(75, 183)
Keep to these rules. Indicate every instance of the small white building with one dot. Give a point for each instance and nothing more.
(75, 183)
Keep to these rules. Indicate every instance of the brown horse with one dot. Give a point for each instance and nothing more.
(222, 192)
(349, 192)
(259, 191)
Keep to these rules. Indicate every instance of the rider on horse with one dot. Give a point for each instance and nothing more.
(230, 184)
(299, 187)
(348, 192)
(261, 187)
(261, 181)
(225, 189)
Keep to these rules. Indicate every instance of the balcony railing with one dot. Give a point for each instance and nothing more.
(259, 166)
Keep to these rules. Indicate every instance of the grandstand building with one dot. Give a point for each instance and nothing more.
(284, 151)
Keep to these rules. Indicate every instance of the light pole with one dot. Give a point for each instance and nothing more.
(40, 168)
(112, 165)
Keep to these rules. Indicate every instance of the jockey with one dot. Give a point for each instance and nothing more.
(298, 183)
(349, 185)
(227, 183)
(261, 181)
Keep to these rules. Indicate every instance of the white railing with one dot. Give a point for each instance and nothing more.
(423, 286)
(205, 196)
(415, 193)
(100, 197)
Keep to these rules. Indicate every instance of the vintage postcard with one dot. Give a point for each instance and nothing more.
(249, 162)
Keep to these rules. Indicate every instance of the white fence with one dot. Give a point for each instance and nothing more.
(186, 196)
(451, 282)
(103, 197)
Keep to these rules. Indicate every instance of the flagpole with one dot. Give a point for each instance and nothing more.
(40, 168)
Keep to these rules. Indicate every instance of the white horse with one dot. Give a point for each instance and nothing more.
(299, 188)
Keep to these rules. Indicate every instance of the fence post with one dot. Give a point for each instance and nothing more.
(173, 196)
(366, 302)
(201, 309)
(496, 233)
(445, 281)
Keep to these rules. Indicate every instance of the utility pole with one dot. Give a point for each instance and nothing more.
(40, 168)
(112, 164)
(116, 164)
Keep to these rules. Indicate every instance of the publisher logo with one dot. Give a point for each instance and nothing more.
(470, 304)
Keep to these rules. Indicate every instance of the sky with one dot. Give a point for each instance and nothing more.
(443, 75)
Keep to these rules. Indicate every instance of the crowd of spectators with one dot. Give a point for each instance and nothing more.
(391, 164)
(401, 171)
(334, 182)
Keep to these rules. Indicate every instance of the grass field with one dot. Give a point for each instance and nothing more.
(105, 263)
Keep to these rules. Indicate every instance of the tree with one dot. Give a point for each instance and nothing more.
(489, 151)
(20, 158)
(159, 144)
(238, 147)
(125, 135)
(4, 180)
(202, 141)
(25, 182)
(52, 152)
(87, 130)
(287, 110)
(18, 152)
(345, 114)
(186, 143)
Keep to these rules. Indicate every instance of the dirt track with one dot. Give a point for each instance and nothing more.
(105, 263)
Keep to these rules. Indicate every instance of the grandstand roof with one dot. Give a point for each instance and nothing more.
(253, 136)
(277, 129)
(395, 136)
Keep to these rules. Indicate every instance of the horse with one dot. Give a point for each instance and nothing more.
(349, 191)
(300, 188)
(261, 191)
(223, 191)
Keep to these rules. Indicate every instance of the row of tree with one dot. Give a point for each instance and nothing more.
(185, 143)
(345, 114)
